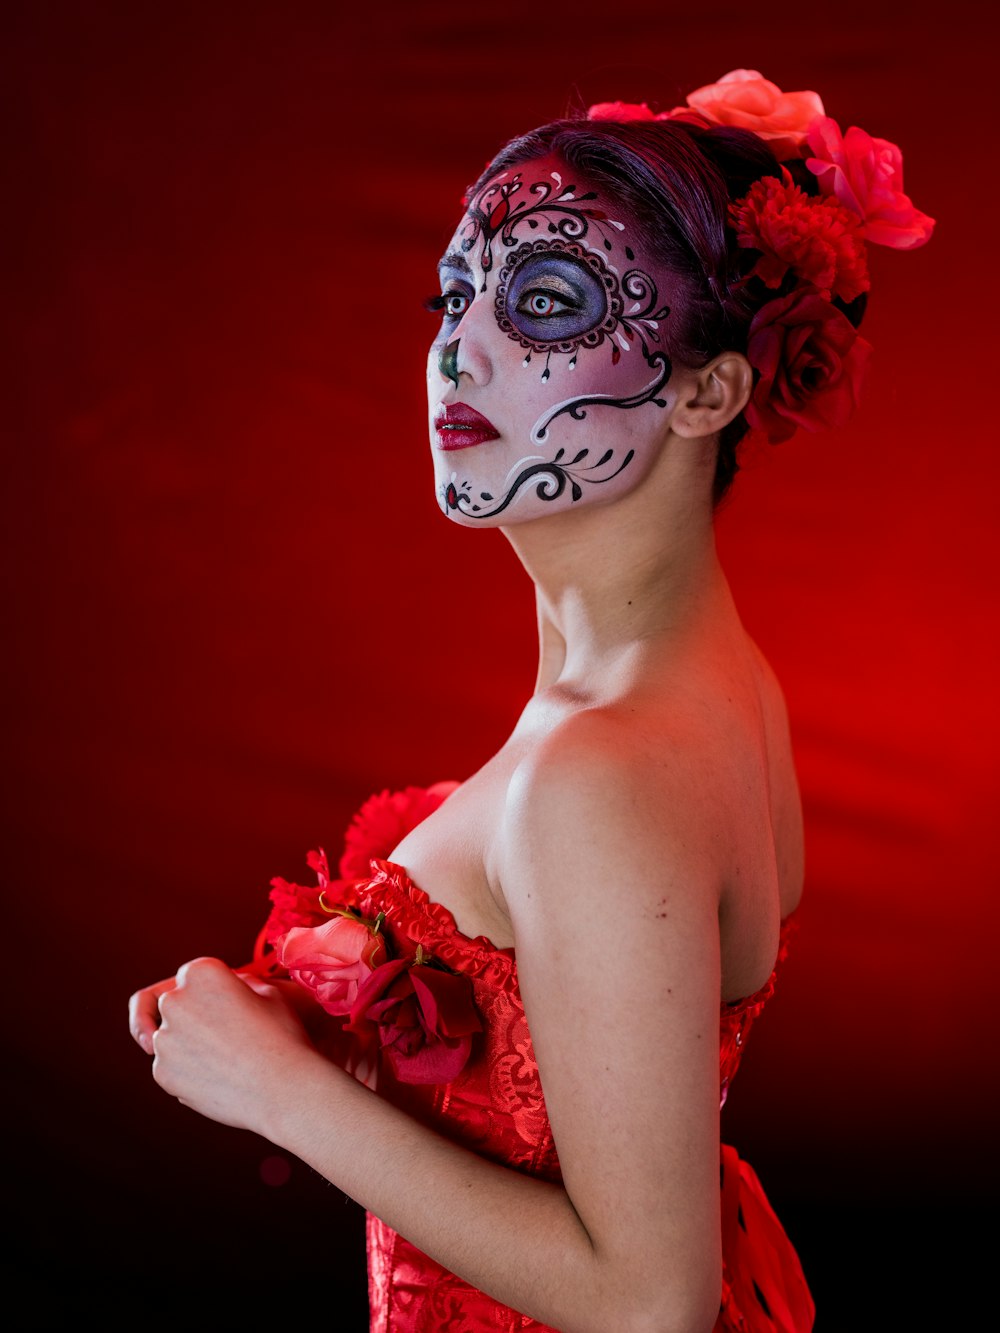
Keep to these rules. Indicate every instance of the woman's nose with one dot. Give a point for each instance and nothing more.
(466, 352)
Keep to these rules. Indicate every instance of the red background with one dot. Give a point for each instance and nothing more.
(233, 612)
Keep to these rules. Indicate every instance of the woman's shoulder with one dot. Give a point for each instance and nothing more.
(695, 774)
(618, 775)
(664, 728)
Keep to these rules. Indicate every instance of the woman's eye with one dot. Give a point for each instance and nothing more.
(455, 304)
(551, 293)
(542, 304)
(452, 305)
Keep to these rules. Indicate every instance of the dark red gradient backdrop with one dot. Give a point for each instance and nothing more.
(233, 609)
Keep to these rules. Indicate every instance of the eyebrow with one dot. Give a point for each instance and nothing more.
(455, 259)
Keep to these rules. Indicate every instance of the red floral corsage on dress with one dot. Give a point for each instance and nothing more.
(407, 1008)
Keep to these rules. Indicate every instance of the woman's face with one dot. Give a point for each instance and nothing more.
(548, 382)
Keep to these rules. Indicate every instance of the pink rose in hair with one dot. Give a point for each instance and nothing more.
(811, 362)
(744, 98)
(866, 175)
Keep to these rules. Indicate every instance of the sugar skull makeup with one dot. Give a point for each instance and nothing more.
(551, 333)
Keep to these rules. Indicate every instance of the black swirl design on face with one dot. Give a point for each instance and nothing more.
(639, 326)
(497, 210)
(553, 477)
(581, 292)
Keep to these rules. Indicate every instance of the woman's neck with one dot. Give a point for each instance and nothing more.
(614, 580)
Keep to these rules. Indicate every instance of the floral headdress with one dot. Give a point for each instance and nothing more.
(807, 231)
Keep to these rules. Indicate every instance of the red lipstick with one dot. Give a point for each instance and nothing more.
(460, 427)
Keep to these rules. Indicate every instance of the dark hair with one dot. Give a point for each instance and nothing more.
(676, 180)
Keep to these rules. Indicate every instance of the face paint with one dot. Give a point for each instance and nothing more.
(556, 296)
(448, 361)
(542, 279)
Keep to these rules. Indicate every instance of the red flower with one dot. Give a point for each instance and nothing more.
(383, 821)
(620, 111)
(811, 362)
(743, 97)
(866, 175)
(623, 112)
(292, 905)
(334, 959)
(422, 1017)
(817, 239)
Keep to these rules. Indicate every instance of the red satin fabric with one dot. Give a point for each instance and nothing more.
(495, 1107)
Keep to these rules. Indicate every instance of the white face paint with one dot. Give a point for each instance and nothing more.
(548, 382)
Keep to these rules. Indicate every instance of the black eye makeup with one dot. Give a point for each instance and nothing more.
(556, 296)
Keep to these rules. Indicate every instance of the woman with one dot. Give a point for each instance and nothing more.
(626, 294)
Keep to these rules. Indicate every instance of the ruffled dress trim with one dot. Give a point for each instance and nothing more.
(415, 916)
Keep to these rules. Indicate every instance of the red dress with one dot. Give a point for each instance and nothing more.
(494, 1104)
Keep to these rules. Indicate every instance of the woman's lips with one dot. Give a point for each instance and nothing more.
(460, 427)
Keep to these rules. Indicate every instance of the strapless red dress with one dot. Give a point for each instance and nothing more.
(493, 1104)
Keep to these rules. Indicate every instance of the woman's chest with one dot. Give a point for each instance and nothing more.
(453, 853)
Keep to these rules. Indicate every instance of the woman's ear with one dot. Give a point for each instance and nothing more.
(711, 396)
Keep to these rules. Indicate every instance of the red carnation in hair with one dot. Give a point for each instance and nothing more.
(817, 239)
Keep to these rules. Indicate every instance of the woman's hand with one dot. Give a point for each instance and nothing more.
(227, 1046)
(144, 1012)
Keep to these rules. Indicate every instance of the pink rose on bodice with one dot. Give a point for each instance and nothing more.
(333, 960)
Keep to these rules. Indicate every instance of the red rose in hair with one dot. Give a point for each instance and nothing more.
(423, 1018)
(620, 111)
(743, 97)
(866, 175)
(811, 362)
(334, 959)
(818, 239)
(383, 821)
